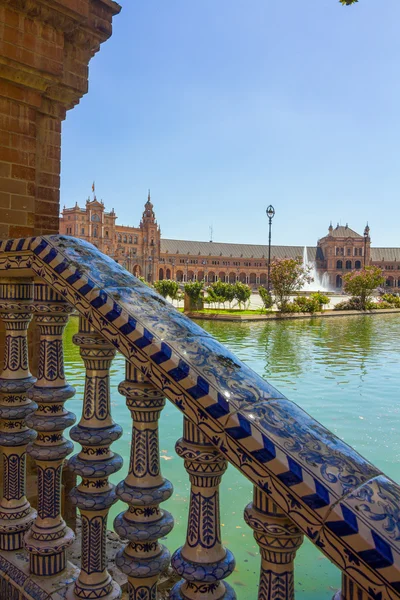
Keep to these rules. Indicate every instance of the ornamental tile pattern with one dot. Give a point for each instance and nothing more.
(337, 498)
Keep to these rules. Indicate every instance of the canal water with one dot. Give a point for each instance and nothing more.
(344, 371)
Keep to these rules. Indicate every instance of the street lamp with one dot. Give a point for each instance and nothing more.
(270, 214)
(366, 234)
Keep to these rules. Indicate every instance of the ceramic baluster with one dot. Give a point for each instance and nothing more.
(16, 514)
(278, 539)
(202, 562)
(49, 537)
(144, 488)
(95, 463)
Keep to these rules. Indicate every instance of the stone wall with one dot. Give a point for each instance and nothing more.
(45, 49)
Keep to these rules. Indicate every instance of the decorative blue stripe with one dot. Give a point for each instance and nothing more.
(100, 300)
(20, 244)
(61, 267)
(163, 355)
(242, 431)
(319, 499)
(349, 525)
(220, 408)
(39, 249)
(129, 326)
(9, 246)
(180, 372)
(294, 475)
(50, 256)
(88, 287)
(267, 453)
(71, 279)
(145, 340)
(200, 390)
(114, 313)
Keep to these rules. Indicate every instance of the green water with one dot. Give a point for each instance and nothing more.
(343, 371)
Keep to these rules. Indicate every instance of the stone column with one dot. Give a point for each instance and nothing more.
(203, 562)
(16, 514)
(278, 539)
(95, 462)
(144, 488)
(49, 536)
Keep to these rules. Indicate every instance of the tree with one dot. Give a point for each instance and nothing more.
(242, 293)
(194, 292)
(361, 284)
(288, 276)
(347, 2)
(167, 287)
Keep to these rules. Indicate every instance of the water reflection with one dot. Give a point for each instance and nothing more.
(343, 371)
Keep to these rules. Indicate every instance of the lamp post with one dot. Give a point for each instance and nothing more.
(366, 234)
(270, 214)
(187, 267)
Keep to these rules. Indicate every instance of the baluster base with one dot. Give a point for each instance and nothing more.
(202, 580)
(13, 530)
(88, 593)
(48, 557)
(185, 590)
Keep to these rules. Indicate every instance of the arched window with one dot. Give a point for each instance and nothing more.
(357, 264)
(125, 239)
(119, 237)
(168, 274)
(106, 234)
(95, 218)
(135, 239)
(338, 281)
(161, 274)
(130, 239)
(339, 264)
(348, 264)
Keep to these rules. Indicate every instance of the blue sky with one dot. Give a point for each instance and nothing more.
(223, 107)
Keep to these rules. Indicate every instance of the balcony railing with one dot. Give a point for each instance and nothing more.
(306, 480)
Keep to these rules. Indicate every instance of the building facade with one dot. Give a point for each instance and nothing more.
(145, 253)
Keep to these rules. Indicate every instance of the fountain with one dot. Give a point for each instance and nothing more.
(318, 283)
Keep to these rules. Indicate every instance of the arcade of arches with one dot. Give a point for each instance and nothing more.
(145, 253)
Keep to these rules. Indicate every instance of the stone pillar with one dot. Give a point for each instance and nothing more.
(203, 562)
(44, 56)
(49, 536)
(95, 462)
(16, 514)
(144, 488)
(278, 539)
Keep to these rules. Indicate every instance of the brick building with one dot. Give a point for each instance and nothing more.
(144, 252)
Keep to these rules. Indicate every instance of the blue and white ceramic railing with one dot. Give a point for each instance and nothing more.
(306, 480)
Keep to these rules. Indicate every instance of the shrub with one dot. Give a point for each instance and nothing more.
(321, 299)
(394, 301)
(306, 305)
(265, 297)
(381, 305)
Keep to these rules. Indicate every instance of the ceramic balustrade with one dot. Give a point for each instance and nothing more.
(316, 484)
